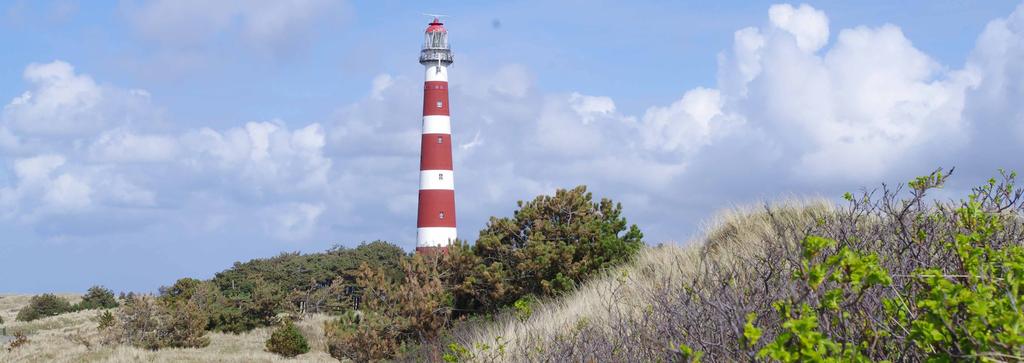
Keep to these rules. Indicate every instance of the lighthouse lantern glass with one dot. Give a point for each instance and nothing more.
(436, 40)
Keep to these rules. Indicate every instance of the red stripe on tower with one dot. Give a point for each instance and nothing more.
(435, 220)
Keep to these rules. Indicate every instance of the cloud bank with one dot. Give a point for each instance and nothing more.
(798, 108)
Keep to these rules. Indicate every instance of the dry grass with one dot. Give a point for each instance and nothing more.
(734, 233)
(73, 337)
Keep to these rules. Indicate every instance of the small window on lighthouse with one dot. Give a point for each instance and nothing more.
(439, 104)
(440, 176)
(440, 140)
(441, 215)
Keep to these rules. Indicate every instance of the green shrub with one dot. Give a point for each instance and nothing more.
(287, 341)
(252, 293)
(974, 310)
(106, 320)
(97, 297)
(967, 310)
(549, 245)
(41, 306)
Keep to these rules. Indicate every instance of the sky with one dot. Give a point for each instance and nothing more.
(144, 141)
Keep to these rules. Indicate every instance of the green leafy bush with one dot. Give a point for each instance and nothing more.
(800, 339)
(548, 246)
(972, 311)
(287, 341)
(41, 306)
(250, 294)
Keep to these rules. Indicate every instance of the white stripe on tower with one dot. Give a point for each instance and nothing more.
(435, 221)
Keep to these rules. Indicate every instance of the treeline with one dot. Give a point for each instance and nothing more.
(387, 301)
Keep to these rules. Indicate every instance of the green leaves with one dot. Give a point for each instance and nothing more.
(547, 247)
(801, 340)
(689, 355)
(814, 244)
(750, 332)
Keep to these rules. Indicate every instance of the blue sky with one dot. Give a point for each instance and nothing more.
(143, 141)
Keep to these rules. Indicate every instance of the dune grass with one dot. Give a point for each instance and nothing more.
(623, 294)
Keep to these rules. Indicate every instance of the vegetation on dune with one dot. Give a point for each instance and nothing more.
(287, 341)
(393, 314)
(97, 297)
(74, 337)
(152, 323)
(250, 294)
(46, 305)
(549, 245)
(42, 306)
(891, 276)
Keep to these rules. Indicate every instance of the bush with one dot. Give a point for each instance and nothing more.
(252, 293)
(549, 245)
(97, 297)
(41, 306)
(287, 341)
(105, 320)
(150, 323)
(394, 315)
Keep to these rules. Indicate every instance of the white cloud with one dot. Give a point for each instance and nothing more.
(591, 107)
(993, 106)
(122, 145)
(61, 103)
(69, 192)
(89, 154)
(685, 125)
(38, 167)
(293, 221)
(41, 189)
(380, 84)
(808, 25)
(844, 114)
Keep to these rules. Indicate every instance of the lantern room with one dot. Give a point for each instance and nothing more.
(435, 45)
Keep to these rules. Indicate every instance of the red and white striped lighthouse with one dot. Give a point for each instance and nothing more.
(435, 223)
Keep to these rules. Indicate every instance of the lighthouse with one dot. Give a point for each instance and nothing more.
(435, 221)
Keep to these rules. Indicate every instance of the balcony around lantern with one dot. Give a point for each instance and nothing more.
(436, 55)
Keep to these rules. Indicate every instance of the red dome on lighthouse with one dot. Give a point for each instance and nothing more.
(436, 26)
